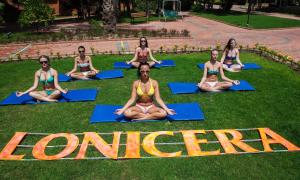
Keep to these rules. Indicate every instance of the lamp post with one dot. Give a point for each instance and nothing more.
(249, 11)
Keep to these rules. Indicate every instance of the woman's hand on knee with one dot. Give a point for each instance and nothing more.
(65, 91)
(18, 94)
(199, 85)
(236, 82)
(170, 111)
(68, 73)
(119, 111)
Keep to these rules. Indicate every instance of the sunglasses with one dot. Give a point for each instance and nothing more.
(43, 62)
(81, 51)
(143, 40)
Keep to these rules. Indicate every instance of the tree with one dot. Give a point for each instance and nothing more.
(109, 16)
(35, 13)
(226, 4)
(1, 11)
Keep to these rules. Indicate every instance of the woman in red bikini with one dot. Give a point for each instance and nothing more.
(142, 53)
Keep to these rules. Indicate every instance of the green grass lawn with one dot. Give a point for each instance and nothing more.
(256, 21)
(274, 104)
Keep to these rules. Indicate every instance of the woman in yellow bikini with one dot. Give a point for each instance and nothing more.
(48, 77)
(142, 53)
(209, 81)
(85, 65)
(143, 93)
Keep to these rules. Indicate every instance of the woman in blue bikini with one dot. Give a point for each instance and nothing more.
(48, 77)
(209, 81)
(230, 55)
(85, 65)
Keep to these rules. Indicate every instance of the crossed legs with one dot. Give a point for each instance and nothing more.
(216, 88)
(232, 68)
(43, 96)
(136, 113)
(83, 75)
(137, 64)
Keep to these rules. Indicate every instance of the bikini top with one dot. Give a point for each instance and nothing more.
(85, 66)
(213, 72)
(140, 91)
(48, 80)
(143, 55)
(230, 57)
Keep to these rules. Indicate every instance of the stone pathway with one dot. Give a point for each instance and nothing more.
(203, 32)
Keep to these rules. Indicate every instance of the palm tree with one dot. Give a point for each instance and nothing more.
(109, 16)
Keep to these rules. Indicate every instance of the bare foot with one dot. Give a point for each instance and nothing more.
(145, 117)
(52, 100)
(216, 90)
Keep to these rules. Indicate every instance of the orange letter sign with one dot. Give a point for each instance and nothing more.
(192, 143)
(133, 145)
(100, 144)
(228, 144)
(6, 153)
(38, 150)
(275, 139)
(149, 145)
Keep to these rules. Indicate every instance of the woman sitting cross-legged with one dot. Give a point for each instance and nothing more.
(48, 77)
(85, 65)
(209, 81)
(143, 93)
(231, 57)
(142, 53)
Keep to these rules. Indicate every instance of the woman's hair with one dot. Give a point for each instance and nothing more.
(81, 47)
(44, 56)
(213, 50)
(146, 45)
(227, 47)
(139, 68)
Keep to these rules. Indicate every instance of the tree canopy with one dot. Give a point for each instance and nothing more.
(1, 11)
(35, 12)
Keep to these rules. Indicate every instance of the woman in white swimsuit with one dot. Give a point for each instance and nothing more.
(84, 63)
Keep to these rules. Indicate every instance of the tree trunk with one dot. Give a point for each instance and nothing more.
(127, 2)
(109, 16)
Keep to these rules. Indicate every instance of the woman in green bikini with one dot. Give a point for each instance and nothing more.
(48, 77)
(209, 81)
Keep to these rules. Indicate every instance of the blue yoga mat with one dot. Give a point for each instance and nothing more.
(71, 96)
(122, 65)
(184, 112)
(108, 74)
(191, 88)
(164, 63)
(246, 67)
